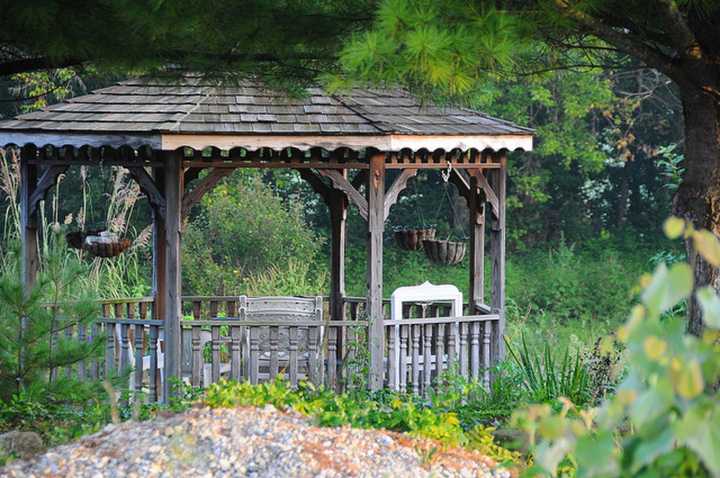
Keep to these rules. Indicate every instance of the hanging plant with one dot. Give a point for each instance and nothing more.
(411, 239)
(448, 253)
(98, 243)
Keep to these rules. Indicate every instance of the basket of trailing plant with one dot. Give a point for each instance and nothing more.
(411, 238)
(446, 252)
(98, 243)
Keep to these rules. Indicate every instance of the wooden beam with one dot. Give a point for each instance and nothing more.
(191, 174)
(316, 183)
(159, 284)
(490, 195)
(476, 209)
(272, 164)
(360, 179)
(47, 180)
(497, 255)
(150, 189)
(376, 227)
(29, 260)
(341, 183)
(393, 192)
(173, 286)
(205, 185)
(462, 182)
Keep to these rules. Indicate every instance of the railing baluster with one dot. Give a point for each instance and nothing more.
(313, 362)
(235, 358)
(154, 374)
(440, 350)
(95, 367)
(332, 357)
(274, 351)
(254, 354)
(197, 358)
(109, 348)
(475, 350)
(215, 348)
(82, 365)
(403, 357)
(416, 359)
(139, 332)
(293, 355)
(487, 329)
(452, 346)
(68, 336)
(393, 353)
(427, 358)
(464, 349)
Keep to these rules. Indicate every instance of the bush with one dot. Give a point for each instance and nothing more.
(241, 229)
(664, 418)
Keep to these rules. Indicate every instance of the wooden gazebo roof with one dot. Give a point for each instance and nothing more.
(194, 112)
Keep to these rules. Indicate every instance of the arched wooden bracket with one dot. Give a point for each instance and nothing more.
(150, 189)
(206, 184)
(393, 192)
(47, 180)
(191, 174)
(341, 183)
(461, 180)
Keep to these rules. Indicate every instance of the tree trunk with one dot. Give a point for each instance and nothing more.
(698, 197)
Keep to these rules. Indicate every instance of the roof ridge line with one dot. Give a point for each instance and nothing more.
(360, 114)
(176, 126)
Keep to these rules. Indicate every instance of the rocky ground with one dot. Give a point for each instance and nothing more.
(249, 442)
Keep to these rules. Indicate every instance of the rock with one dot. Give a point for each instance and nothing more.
(21, 444)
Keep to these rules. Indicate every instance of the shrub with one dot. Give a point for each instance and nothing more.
(241, 228)
(664, 418)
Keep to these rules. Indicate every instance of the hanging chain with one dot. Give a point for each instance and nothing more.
(447, 172)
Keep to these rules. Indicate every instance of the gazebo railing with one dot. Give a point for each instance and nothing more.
(216, 343)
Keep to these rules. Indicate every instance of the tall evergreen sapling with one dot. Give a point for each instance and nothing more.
(39, 327)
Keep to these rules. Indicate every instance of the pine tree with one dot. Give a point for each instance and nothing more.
(34, 347)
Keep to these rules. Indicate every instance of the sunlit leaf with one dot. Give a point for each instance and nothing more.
(687, 378)
(674, 227)
(654, 347)
(700, 431)
(710, 304)
(707, 244)
(668, 287)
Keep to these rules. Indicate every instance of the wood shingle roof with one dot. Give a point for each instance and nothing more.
(195, 106)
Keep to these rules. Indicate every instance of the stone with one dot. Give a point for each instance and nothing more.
(21, 444)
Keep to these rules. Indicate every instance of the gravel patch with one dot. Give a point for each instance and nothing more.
(249, 442)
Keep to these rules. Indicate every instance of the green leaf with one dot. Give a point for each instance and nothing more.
(699, 430)
(710, 304)
(595, 455)
(651, 447)
(668, 287)
(674, 227)
(652, 403)
(707, 244)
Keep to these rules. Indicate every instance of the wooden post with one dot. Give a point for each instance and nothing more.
(476, 207)
(497, 253)
(376, 226)
(172, 294)
(28, 221)
(159, 290)
(29, 260)
(338, 204)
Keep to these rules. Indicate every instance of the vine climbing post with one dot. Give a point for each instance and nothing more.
(376, 226)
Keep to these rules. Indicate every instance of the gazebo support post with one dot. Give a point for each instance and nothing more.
(376, 227)
(476, 209)
(159, 285)
(337, 205)
(497, 254)
(29, 260)
(172, 293)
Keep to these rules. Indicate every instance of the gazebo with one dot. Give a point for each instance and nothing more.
(166, 131)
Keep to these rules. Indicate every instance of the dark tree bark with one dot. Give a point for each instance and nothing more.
(698, 197)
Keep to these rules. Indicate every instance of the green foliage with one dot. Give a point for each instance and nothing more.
(546, 379)
(385, 410)
(33, 344)
(240, 230)
(664, 418)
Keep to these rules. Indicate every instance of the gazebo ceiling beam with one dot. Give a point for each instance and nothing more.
(393, 192)
(150, 189)
(47, 180)
(205, 185)
(341, 183)
(462, 183)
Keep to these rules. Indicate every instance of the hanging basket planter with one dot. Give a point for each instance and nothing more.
(412, 239)
(447, 253)
(98, 243)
